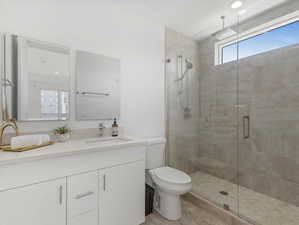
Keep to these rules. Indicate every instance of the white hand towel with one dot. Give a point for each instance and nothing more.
(29, 140)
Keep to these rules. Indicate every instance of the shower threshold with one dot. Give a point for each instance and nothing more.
(253, 206)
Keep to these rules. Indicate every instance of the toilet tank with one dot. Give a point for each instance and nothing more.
(155, 153)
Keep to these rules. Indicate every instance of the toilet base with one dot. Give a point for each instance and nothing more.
(169, 205)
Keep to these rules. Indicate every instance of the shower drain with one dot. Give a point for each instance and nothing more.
(226, 207)
(223, 193)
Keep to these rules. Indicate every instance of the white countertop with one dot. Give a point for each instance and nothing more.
(69, 148)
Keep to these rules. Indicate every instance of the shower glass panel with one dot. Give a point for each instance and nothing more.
(268, 90)
(202, 117)
(233, 113)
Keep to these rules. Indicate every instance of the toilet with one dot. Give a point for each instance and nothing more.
(169, 183)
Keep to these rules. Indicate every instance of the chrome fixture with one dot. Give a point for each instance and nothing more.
(189, 66)
(101, 129)
(9, 83)
(183, 84)
(92, 93)
(224, 32)
(84, 195)
(246, 127)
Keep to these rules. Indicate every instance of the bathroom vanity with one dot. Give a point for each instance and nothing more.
(91, 182)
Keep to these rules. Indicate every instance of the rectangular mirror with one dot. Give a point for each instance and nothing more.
(37, 79)
(97, 87)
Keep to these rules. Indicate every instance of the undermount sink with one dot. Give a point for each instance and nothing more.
(110, 140)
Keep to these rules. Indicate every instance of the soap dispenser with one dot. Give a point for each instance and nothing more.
(114, 128)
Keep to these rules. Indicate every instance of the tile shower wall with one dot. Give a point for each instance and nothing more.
(269, 88)
(197, 141)
(218, 97)
(207, 140)
(268, 93)
(183, 129)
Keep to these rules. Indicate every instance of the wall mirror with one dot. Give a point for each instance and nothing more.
(97, 87)
(36, 79)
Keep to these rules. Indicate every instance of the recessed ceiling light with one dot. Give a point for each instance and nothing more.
(241, 12)
(236, 4)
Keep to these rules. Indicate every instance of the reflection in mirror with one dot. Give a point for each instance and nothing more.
(40, 79)
(98, 86)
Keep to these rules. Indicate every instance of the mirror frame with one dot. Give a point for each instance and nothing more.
(5, 104)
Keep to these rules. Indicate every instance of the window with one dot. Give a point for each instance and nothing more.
(277, 35)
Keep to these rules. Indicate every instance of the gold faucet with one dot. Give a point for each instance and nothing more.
(5, 124)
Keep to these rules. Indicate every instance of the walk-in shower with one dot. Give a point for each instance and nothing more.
(239, 143)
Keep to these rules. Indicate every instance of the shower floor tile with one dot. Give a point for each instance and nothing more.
(253, 206)
(192, 215)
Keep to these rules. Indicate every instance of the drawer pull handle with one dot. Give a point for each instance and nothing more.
(104, 182)
(84, 195)
(60, 194)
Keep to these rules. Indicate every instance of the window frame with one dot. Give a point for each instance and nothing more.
(256, 31)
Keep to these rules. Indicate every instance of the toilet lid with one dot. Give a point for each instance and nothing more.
(172, 175)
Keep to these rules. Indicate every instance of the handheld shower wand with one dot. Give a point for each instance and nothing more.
(189, 66)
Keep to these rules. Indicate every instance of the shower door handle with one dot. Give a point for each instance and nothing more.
(246, 127)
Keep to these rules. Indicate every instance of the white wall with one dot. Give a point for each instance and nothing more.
(104, 27)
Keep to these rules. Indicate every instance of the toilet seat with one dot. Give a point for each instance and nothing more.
(171, 175)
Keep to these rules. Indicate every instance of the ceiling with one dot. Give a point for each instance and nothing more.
(200, 18)
(195, 18)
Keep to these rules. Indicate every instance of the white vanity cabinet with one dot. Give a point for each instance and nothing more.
(43, 203)
(94, 187)
(121, 198)
(111, 196)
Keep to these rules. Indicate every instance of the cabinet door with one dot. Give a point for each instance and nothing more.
(122, 194)
(38, 204)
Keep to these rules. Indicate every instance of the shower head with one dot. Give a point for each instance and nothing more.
(189, 66)
(224, 32)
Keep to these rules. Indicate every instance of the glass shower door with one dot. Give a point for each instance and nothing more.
(268, 111)
(202, 116)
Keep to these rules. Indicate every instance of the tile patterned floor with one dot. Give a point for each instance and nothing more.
(192, 215)
(258, 208)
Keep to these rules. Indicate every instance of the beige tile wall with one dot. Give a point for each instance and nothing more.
(268, 93)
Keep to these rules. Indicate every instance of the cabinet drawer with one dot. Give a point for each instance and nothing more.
(82, 193)
(89, 218)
